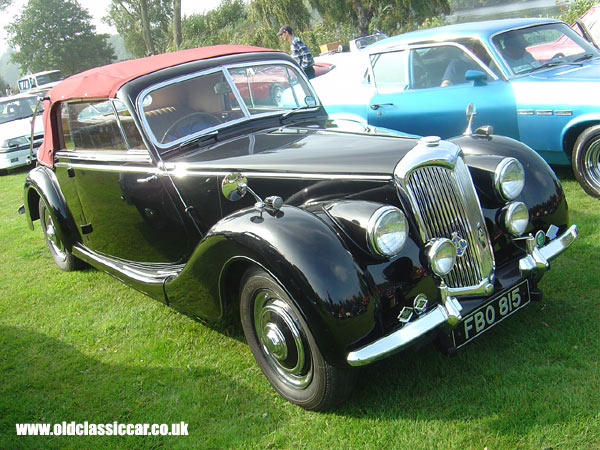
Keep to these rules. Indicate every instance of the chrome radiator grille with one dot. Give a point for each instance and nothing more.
(445, 204)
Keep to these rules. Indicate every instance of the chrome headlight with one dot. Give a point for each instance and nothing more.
(509, 178)
(387, 231)
(516, 218)
(441, 254)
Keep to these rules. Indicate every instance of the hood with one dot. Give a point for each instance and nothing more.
(303, 150)
(572, 87)
(20, 127)
(586, 71)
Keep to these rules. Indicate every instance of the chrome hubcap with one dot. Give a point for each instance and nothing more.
(281, 339)
(275, 342)
(52, 237)
(592, 163)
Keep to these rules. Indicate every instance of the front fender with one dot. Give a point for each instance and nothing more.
(304, 254)
(543, 193)
(575, 126)
(42, 183)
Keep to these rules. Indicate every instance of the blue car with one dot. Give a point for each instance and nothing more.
(535, 80)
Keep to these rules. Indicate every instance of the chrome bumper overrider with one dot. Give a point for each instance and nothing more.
(448, 313)
(538, 258)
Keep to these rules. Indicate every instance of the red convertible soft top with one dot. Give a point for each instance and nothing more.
(105, 81)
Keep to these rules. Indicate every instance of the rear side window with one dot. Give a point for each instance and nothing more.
(94, 126)
(389, 70)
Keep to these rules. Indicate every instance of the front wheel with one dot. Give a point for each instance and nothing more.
(60, 254)
(284, 348)
(586, 160)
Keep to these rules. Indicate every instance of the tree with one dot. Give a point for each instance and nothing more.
(177, 23)
(4, 4)
(3, 86)
(390, 16)
(228, 23)
(272, 14)
(57, 34)
(143, 24)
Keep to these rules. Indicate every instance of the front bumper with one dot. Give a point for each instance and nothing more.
(448, 312)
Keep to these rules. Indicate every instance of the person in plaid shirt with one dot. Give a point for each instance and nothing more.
(300, 51)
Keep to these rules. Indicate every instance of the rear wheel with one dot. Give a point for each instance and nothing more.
(60, 254)
(586, 160)
(284, 348)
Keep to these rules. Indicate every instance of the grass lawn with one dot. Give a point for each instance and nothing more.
(81, 346)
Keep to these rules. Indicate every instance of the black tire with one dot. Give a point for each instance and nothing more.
(284, 348)
(61, 255)
(586, 160)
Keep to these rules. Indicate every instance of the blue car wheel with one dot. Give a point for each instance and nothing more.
(586, 160)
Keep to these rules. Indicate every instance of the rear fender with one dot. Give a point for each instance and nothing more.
(303, 253)
(42, 183)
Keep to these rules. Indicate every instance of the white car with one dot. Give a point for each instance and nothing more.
(16, 115)
(40, 81)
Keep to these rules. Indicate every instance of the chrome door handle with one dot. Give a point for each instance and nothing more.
(148, 179)
(378, 105)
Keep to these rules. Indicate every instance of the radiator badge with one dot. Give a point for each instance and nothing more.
(460, 244)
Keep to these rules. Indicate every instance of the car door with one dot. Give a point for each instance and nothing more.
(121, 206)
(414, 101)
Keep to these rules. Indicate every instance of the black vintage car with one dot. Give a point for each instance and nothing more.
(213, 180)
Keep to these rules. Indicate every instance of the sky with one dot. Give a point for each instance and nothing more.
(97, 9)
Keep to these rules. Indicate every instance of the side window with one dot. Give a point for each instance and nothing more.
(444, 65)
(132, 134)
(91, 126)
(66, 129)
(439, 66)
(481, 52)
(389, 71)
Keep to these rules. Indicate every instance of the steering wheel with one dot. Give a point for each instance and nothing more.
(204, 120)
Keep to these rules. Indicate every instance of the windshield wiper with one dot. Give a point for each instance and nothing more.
(198, 139)
(584, 57)
(296, 110)
(548, 64)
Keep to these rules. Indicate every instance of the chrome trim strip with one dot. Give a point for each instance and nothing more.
(135, 156)
(113, 265)
(525, 112)
(109, 168)
(538, 258)
(178, 170)
(563, 112)
(544, 112)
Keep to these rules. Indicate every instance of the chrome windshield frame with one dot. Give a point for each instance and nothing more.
(226, 74)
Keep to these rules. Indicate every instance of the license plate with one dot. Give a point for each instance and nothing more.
(14, 160)
(486, 316)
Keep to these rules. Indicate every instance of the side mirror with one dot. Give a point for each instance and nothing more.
(477, 77)
(234, 186)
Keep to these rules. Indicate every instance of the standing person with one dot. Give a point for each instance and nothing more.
(300, 51)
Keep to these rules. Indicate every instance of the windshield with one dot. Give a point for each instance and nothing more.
(49, 77)
(17, 108)
(197, 104)
(529, 49)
